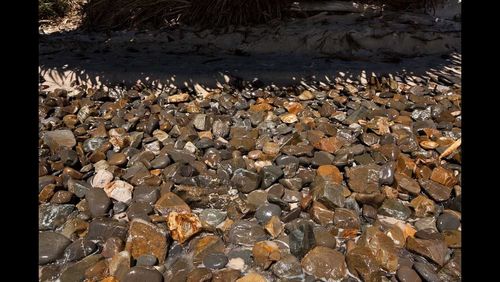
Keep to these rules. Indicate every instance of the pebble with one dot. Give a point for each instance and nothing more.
(325, 264)
(264, 212)
(447, 221)
(139, 273)
(215, 260)
(51, 246)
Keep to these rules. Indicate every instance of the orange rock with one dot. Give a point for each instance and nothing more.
(274, 226)
(183, 226)
(443, 176)
(321, 214)
(146, 238)
(330, 144)
(178, 98)
(110, 279)
(260, 107)
(423, 206)
(293, 107)
(171, 202)
(265, 253)
(289, 118)
(330, 172)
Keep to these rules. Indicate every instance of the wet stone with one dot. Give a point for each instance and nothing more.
(329, 194)
(105, 228)
(246, 233)
(215, 260)
(265, 253)
(406, 274)
(245, 181)
(76, 272)
(395, 208)
(59, 139)
(99, 203)
(139, 273)
(432, 249)
(183, 226)
(362, 263)
(270, 174)
(364, 179)
(325, 264)
(447, 221)
(426, 272)
(266, 211)
(79, 249)
(301, 237)
(212, 217)
(112, 246)
(51, 216)
(51, 246)
(436, 191)
(288, 267)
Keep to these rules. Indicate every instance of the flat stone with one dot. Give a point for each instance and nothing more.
(51, 246)
(171, 202)
(200, 275)
(426, 272)
(443, 176)
(406, 274)
(364, 178)
(102, 178)
(432, 249)
(112, 246)
(252, 277)
(178, 98)
(306, 95)
(289, 118)
(270, 174)
(79, 249)
(395, 208)
(104, 228)
(212, 217)
(330, 173)
(346, 219)
(215, 260)
(436, 191)
(407, 184)
(59, 139)
(145, 238)
(322, 158)
(51, 216)
(140, 273)
(76, 272)
(324, 264)
(226, 275)
(204, 246)
(321, 214)
(265, 253)
(324, 238)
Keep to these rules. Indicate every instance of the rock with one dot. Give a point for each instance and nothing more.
(51, 246)
(183, 226)
(139, 273)
(145, 238)
(321, 214)
(119, 190)
(256, 198)
(288, 267)
(266, 211)
(102, 178)
(407, 184)
(328, 193)
(242, 143)
(292, 196)
(432, 249)
(381, 246)
(306, 95)
(274, 226)
(324, 238)
(146, 194)
(220, 128)
(362, 263)
(171, 202)
(112, 246)
(246, 233)
(265, 253)
(204, 246)
(245, 181)
(346, 219)
(200, 275)
(212, 217)
(160, 162)
(178, 98)
(426, 272)
(59, 139)
(324, 264)
(98, 202)
(453, 268)
(364, 178)
(51, 216)
(271, 148)
(301, 237)
(447, 221)
(76, 272)
(395, 208)
(406, 274)
(79, 249)
(215, 260)
(322, 158)
(443, 176)
(435, 190)
(252, 277)
(423, 206)
(330, 144)
(330, 173)
(104, 228)
(292, 183)
(270, 174)
(453, 238)
(289, 118)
